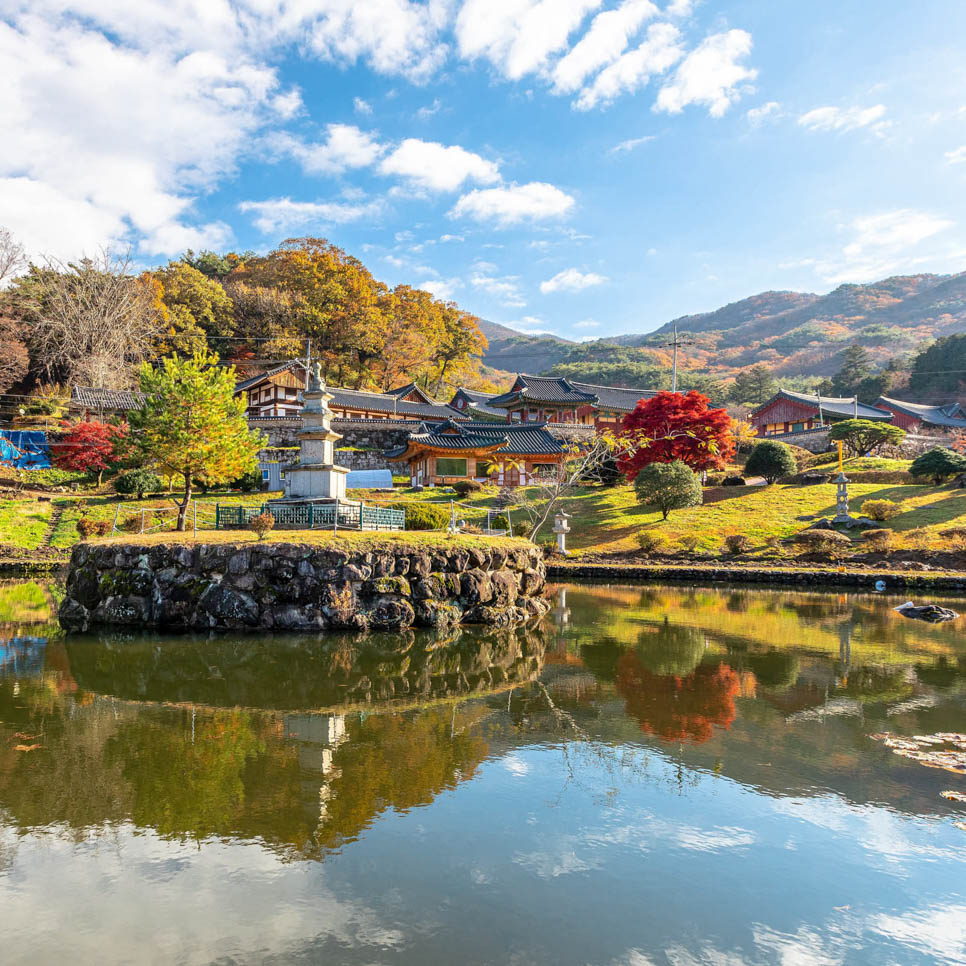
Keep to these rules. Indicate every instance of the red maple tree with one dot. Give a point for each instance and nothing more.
(676, 426)
(89, 447)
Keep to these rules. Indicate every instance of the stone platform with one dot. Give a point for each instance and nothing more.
(293, 586)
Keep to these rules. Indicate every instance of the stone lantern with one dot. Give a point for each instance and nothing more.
(842, 499)
(561, 527)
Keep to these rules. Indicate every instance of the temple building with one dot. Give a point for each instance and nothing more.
(507, 455)
(915, 417)
(476, 405)
(798, 412)
(559, 400)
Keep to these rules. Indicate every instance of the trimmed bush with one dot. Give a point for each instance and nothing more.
(261, 524)
(737, 543)
(465, 487)
(881, 510)
(714, 479)
(772, 460)
(937, 464)
(878, 540)
(521, 528)
(138, 482)
(668, 486)
(822, 540)
(734, 481)
(956, 536)
(689, 542)
(425, 516)
(251, 482)
(88, 527)
(649, 541)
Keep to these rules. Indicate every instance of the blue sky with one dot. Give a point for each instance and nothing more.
(583, 167)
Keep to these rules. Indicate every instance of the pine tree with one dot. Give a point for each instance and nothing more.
(192, 424)
(755, 385)
(856, 367)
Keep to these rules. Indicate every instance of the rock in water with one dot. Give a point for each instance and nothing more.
(927, 612)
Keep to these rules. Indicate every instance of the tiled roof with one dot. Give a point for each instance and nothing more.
(544, 389)
(832, 405)
(528, 440)
(120, 400)
(254, 380)
(949, 415)
(378, 402)
(615, 397)
(410, 388)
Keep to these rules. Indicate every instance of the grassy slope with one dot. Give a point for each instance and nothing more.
(23, 523)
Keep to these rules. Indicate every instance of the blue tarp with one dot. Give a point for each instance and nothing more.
(369, 480)
(25, 448)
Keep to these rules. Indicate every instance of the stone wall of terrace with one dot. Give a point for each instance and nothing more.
(301, 586)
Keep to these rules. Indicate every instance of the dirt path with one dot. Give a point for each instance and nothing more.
(56, 512)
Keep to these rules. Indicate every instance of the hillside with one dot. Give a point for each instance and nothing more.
(513, 351)
(794, 333)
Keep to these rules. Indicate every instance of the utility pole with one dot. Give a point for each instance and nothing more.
(673, 344)
(308, 361)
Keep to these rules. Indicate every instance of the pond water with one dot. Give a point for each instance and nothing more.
(653, 775)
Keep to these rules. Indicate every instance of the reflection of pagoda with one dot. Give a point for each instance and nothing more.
(317, 737)
(315, 478)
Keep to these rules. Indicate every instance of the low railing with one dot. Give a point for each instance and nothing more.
(313, 516)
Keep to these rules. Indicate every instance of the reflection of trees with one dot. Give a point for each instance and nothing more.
(678, 708)
(774, 669)
(670, 648)
(870, 683)
(944, 673)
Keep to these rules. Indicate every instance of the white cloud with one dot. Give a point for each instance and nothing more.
(602, 44)
(761, 115)
(518, 36)
(451, 238)
(844, 119)
(586, 324)
(630, 144)
(442, 288)
(280, 214)
(360, 106)
(956, 156)
(709, 75)
(889, 243)
(345, 147)
(505, 289)
(428, 110)
(437, 167)
(512, 204)
(659, 51)
(571, 280)
(679, 8)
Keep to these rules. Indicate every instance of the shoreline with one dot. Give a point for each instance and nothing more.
(827, 577)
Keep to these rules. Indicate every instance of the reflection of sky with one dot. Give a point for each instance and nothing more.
(22, 655)
(548, 855)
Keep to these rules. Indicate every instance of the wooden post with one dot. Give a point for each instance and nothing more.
(195, 526)
(362, 515)
(335, 517)
(114, 521)
(142, 521)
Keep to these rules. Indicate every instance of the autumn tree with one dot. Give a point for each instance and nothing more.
(196, 309)
(670, 426)
(14, 357)
(90, 447)
(88, 322)
(191, 424)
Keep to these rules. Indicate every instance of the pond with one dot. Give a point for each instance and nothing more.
(652, 775)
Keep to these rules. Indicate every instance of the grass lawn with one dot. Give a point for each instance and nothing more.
(23, 523)
(861, 463)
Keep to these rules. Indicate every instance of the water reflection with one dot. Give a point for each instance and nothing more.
(362, 799)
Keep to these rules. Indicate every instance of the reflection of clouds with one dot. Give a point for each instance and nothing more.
(550, 863)
(515, 765)
(198, 903)
(646, 831)
(804, 948)
(633, 957)
(939, 932)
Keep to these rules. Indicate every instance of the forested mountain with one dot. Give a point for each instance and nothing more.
(513, 351)
(798, 335)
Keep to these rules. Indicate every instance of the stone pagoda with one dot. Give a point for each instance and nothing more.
(315, 478)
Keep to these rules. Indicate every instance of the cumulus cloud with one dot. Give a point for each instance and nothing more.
(361, 106)
(514, 203)
(518, 36)
(709, 75)
(761, 115)
(506, 288)
(437, 167)
(844, 119)
(279, 214)
(660, 51)
(345, 146)
(604, 42)
(571, 280)
(442, 288)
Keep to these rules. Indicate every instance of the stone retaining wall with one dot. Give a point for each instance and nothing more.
(746, 575)
(291, 586)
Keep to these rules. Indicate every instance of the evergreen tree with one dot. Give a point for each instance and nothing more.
(939, 371)
(755, 385)
(855, 369)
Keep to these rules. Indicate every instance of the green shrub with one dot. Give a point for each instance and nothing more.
(261, 524)
(465, 487)
(826, 540)
(650, 542)
(772, 460)
(689, 542)
(737, 543)
(251, 482)
(668, 486)
(881, 510)
(138, 482)
(426, 516)
(521, 528)
(937, 464)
